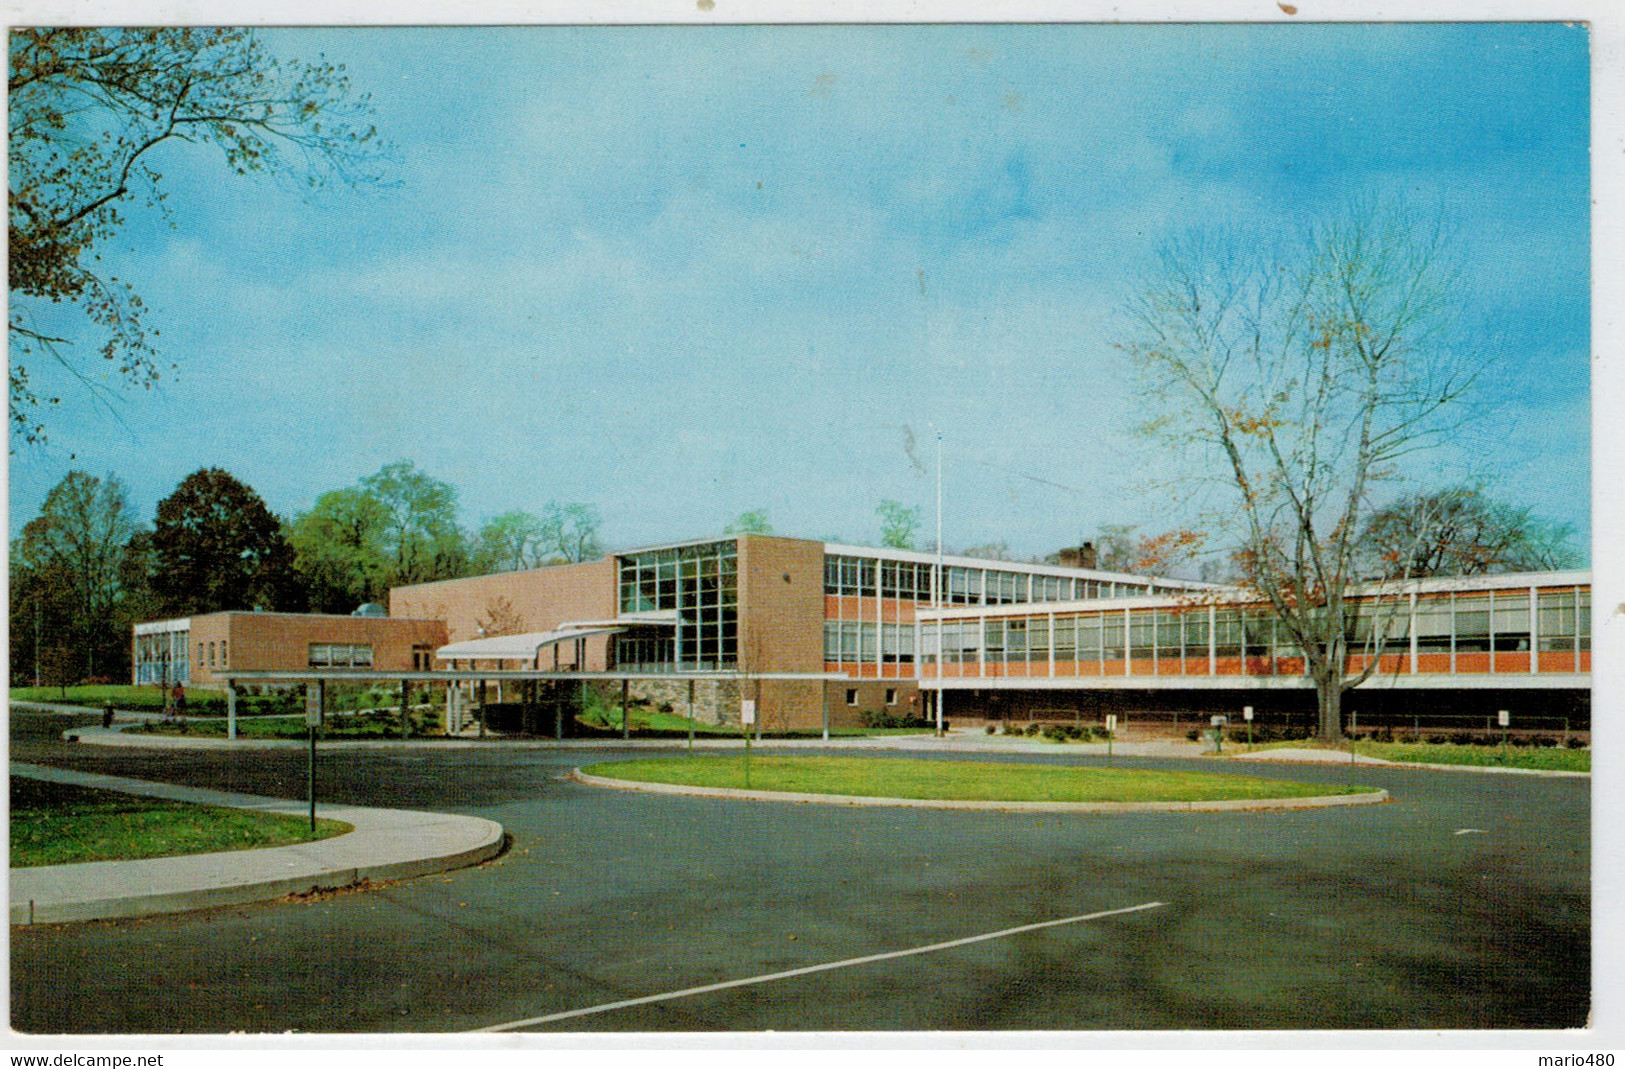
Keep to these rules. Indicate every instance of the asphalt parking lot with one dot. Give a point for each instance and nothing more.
(1463, 904)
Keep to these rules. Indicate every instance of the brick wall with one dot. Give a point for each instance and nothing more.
(536, 600)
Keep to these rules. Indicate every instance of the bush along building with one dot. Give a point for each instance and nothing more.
(807, 630)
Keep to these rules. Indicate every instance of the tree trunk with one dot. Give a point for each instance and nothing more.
(1329, 695)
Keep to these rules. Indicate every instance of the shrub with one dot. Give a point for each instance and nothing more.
(1033, 730)
(879, 719)
(1576, 743)
(1436, 740)
(1543, 741)
(991, 729)
(1194, 734)
(1463, 738)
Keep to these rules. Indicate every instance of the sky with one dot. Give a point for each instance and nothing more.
(684, 272)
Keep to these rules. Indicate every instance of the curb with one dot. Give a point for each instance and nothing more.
(1229, 805)
(387, 844)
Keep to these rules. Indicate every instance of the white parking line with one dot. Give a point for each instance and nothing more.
(804, 971)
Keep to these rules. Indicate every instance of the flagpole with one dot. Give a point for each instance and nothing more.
(941, 581)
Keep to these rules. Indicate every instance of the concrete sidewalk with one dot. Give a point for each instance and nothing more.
(387, 844)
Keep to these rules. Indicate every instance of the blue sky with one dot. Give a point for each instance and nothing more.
(682, 272)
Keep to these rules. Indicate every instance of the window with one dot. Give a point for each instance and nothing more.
(851, 695)
(1111, 636)
(891, 696)
(1196, 635)
(1038, 640)
(993, 641)
(1015, 640)
(223, 662)
(1433, 625)
(1558, 620)
(1510, 619)
(211, 655)
(1066, 638)
(422, 658)
(1472, 625)
(1142, 635)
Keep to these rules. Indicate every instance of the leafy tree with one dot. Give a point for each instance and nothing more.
(70, 561)
(420, 536)
(752, 522)
(1294, 378)
(898, 525)
(1462, 531)
(574, 531)
(217, 547)
(512, 542)
(339, 550)
(92, 114)
(990, 551)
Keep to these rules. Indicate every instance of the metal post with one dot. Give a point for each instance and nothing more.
(482, 708)
(626, 724)
(231, 710)
(691, 716)
(310, 775)
(824, 691)
(406, 708)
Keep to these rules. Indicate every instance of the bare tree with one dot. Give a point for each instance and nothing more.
(95, 113)
(1288, 383)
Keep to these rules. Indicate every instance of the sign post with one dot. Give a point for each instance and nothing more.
(1247, 715)
(747, 717)
(1219, 722)
(1505, 719)
(1111, 730)
(313, 720)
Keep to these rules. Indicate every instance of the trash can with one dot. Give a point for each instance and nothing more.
(107, 715)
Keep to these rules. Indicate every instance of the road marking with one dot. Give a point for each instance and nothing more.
(806, 970)
(1472, 831)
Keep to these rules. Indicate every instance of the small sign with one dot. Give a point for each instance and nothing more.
(1247, 713)
(1220, 721)
(1111, 721)
(747, 711)
(313, 705)
(1504, 717)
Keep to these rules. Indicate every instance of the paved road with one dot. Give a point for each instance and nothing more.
(1371, 917)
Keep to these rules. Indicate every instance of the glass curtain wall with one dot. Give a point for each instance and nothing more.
(700, 582)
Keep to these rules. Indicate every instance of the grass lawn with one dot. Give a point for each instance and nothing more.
(1546, 759)
(58, 824)
(959, 780)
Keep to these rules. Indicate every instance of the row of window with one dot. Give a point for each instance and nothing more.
(1450, 624)
(911, 581)
(339, 655)
(851, 642)
(207, 650)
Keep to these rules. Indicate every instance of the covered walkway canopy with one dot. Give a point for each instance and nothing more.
(317, 677)
(528, 646)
